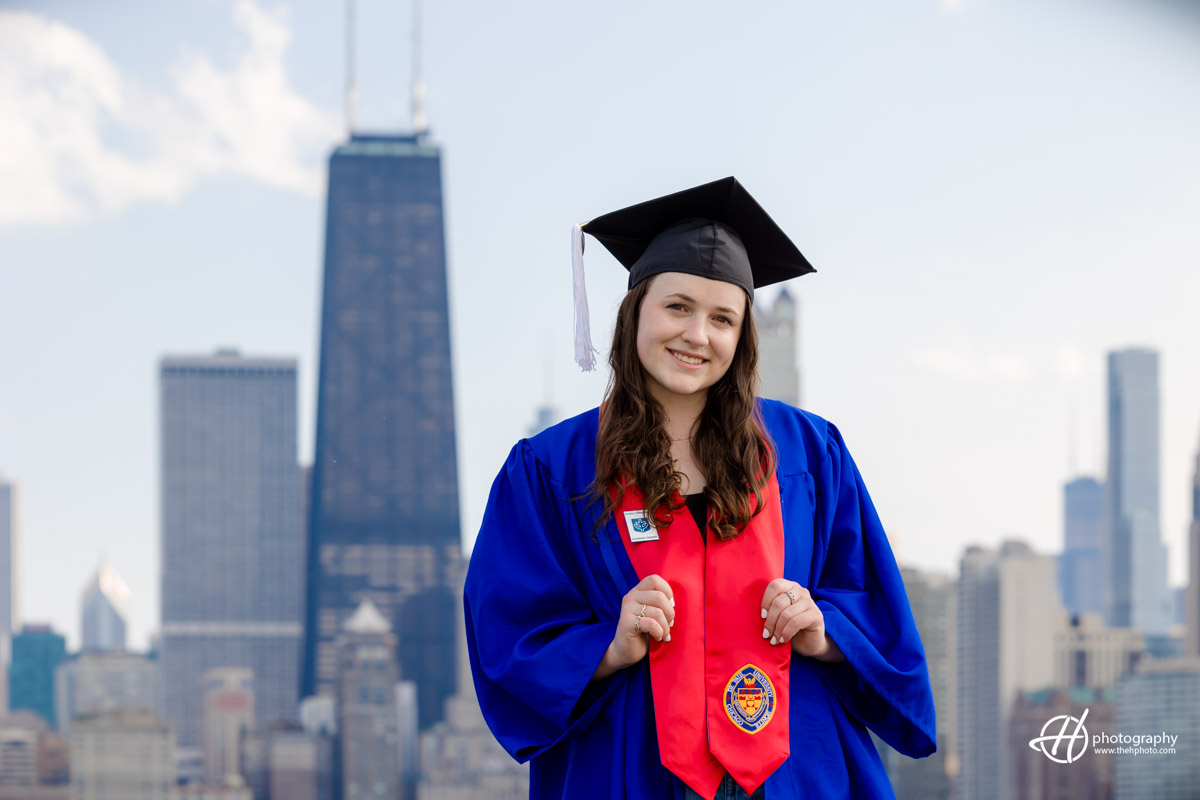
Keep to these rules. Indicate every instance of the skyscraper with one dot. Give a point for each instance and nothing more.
(778, 360)
(384, 519)
(228, 715)
(1035, 775)
(1083, 546)
(8, 585)
(1008, 613)
(1087, 653)
(93, 683)
(932, 597)
(460, 757)
(1191, 610)
(299, 764)
(36, 653)
(123, 756)
(18, 755)
(105, 608)
(1161, 695)
(368, 722)
(1135, 557)
(232, 544)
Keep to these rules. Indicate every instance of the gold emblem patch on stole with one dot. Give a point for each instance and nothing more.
(750, 699)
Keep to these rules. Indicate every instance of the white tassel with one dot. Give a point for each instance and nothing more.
(585, 354)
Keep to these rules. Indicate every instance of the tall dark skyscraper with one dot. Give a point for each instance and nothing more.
(384, 522)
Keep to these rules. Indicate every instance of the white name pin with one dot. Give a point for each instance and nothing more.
(640, 529)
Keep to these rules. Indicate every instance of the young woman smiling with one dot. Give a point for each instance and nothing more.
(687, 591)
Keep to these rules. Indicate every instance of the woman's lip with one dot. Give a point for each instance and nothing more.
(676, 353)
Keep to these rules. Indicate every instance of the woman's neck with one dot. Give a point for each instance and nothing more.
(682, 411)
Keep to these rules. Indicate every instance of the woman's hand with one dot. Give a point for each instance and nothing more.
(790, 614)
(647, 610)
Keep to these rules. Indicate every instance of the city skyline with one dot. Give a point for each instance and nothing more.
(980, 245)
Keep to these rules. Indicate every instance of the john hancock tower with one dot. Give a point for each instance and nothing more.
(384, 519)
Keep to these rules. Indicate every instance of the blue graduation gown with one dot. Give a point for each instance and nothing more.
(543, 596)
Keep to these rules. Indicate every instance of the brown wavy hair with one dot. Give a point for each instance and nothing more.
(730, 442)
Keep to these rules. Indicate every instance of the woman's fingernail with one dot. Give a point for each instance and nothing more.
(766, 633)
(772, 640)
(668, 637)
(672, 601)
(764, 613)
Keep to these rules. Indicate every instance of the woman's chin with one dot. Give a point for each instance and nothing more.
(686, 389)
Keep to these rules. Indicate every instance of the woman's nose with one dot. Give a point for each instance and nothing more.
(695, 332)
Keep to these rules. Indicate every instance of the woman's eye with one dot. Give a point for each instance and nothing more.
(677, 307)
(725, 320)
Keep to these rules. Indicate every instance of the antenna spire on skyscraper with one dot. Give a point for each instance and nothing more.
(418, 86)
(351, 87)
(1072, 437)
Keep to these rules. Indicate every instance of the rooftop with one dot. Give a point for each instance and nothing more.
(367, 619)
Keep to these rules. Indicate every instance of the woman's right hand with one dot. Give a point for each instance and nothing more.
(648, 609)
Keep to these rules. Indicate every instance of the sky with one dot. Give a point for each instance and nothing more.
(994, 194)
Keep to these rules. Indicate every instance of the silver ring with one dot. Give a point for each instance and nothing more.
(791, 596)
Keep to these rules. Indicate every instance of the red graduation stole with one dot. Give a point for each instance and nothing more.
(720, 689)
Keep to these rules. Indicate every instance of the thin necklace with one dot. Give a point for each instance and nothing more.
(683, 439)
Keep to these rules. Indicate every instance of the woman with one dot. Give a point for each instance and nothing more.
(687, 592)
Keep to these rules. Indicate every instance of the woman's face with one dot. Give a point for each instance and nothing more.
(688, 331)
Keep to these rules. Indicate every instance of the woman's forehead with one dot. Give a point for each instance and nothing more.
(698, 289)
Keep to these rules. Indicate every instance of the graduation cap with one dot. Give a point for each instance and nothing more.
(716, 230)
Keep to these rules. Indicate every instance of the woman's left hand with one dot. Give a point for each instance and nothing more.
(791, 615)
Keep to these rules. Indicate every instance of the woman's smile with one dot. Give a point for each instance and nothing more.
(687, 359)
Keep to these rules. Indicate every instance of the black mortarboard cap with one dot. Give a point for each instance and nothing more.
(716, 231)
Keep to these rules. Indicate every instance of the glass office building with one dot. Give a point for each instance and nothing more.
(1135, 556)
(1081, 562)
(36, 652)
(232, 534)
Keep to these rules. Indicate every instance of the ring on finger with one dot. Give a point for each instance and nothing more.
(642, 613)
(791, 597)
(637, 625)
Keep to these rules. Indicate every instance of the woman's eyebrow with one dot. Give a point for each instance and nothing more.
(685, 298)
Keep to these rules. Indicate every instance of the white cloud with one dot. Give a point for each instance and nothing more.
(63, 102)
(962, 362)
(957, 6)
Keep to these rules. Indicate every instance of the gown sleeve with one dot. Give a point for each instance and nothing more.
(533, 638)
(884, 681)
